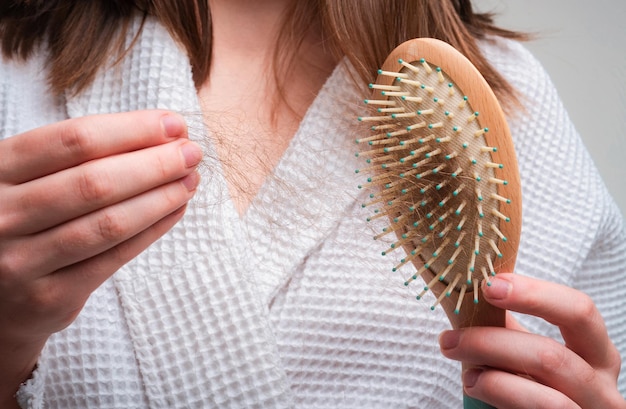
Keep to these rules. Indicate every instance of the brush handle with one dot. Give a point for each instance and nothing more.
(471, 403)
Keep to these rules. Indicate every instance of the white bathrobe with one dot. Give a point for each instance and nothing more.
(293, 305)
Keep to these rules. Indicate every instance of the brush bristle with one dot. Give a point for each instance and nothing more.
(432, 175)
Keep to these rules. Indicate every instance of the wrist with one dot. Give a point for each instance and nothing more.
(18, 359)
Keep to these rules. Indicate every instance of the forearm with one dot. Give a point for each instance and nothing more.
(17, 361)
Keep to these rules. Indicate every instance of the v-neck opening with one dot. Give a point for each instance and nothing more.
(305, 194)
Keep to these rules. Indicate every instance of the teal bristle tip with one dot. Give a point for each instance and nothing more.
(442, 207)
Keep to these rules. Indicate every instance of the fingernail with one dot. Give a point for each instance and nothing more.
(497, 288)
(449, 339)
(192, 153)
(191, 181)
(470, 377)
(174, 125)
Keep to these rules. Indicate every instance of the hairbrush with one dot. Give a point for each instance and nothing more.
(442, 171)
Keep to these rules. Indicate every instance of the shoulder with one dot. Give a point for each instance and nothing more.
(511, 58)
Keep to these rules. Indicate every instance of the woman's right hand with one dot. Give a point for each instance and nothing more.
(79, 199)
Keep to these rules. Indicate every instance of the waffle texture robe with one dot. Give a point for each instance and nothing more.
(292, 305)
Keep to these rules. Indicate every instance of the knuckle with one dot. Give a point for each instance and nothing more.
(76, 137)
(163, 167)
(12, 266)
(111, 226)
(558, 402)
(586, 308)
(552, 358)
(616, 357)
(171, 196)
(49, 299)
(7, 222)
(94, 187)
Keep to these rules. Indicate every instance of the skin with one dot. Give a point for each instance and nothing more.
(100, 191)
(250, 137)
(103, 188)
(534, 371)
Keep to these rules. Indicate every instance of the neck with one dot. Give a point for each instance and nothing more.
(246, 27)
(247, 114)
(245, 36)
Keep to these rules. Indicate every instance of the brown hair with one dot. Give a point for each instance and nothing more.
(82, 35)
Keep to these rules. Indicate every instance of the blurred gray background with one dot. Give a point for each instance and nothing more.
(582, 44)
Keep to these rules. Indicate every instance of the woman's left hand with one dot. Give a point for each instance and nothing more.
(516, 369)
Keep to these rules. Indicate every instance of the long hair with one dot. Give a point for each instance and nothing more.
(81, 36)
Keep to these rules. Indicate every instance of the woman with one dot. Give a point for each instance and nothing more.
(268, 293)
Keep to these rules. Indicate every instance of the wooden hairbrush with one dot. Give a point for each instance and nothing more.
(442, 170)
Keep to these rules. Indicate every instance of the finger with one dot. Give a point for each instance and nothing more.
(90, 274)
(504, 390)
(97, 232)
(68, 143)
(58, 298)
(575, 314)
(45, 202)
(541, 358)
(512, 323)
